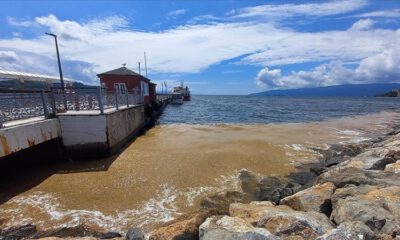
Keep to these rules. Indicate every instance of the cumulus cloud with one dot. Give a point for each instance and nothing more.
(102, 44)
(8, 57)
(382, 67)
(362, 24)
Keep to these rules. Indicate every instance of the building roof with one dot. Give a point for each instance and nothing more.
(124, 71)
(6, 74)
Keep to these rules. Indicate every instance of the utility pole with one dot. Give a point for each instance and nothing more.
(139, 67)
(145, 63)
(60, 70)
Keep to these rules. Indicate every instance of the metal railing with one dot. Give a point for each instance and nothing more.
(163, 96)
(23, 104)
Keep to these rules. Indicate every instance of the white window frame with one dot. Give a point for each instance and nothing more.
(144, 88)
(120, 88)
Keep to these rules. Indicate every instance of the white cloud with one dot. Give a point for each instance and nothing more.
(394, 13)
(8, 57)
(362, 24)
(309, 9)
(104, 44)
(20, 23)
(177, 12)
(382, 67)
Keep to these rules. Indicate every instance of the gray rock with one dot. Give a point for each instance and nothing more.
(18, 232)
(349, 231)
(249, 182)
(268, 185)
(232, 228)
(377, 207)
(316, 198)
(221, 201)
(135, 234)
(302, 178)
(282, 220)
(345, 176)
(280, 193)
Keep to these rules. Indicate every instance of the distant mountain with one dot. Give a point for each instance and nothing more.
(14, 84)
(348, 90)
(392, 93)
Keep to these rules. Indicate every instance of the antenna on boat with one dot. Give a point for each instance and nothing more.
(145, 63)
(139, 67)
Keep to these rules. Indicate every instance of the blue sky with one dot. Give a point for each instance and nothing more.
(215, 47)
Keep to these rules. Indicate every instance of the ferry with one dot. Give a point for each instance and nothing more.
(184, 91)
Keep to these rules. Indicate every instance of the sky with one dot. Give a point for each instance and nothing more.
(215, 47)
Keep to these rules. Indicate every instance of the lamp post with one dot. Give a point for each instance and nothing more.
(60, 70)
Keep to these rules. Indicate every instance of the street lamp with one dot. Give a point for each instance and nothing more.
(60, 70)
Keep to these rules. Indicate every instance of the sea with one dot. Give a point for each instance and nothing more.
(196, 149)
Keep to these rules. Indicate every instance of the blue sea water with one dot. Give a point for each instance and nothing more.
(258, 109)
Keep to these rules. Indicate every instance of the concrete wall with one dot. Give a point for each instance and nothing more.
(95, 135)
(17, 138)
(124, 123)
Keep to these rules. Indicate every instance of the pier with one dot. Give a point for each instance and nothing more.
(95, 122)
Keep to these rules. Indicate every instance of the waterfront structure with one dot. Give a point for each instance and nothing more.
(124, 79)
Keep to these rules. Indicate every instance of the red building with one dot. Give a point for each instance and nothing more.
(122, 79)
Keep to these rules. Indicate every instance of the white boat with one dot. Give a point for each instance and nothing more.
(176, 98)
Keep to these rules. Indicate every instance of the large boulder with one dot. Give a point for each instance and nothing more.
(282, 220)
(232, 228)
(344, 176)
(393, 167)
(378, 207)
(349, 231)
(249, 183)
(18, 232)
(316, 198)
(183, 228)
(221, 200)
(134, 234)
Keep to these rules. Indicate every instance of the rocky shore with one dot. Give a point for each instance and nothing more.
(352, 193)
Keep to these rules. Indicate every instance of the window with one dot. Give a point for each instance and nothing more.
(120, 88)
(145, 88)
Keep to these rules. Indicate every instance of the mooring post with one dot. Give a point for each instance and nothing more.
(100, 99)
(44, 103)
(116, 100)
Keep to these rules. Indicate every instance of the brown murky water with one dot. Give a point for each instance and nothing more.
(166, 172)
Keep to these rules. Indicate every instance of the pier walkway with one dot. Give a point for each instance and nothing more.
(88, 121)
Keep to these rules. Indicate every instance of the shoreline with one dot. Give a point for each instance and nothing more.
(217, 203)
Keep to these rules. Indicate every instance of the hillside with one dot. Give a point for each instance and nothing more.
(349, 90)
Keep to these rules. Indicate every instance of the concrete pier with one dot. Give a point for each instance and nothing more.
(90, 134)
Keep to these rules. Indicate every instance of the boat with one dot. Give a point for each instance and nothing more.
(184, 91)
(176, 98)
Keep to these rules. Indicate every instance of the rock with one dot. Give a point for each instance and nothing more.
(135, 234)
(344, 176)
(222, 200)
(18, 232)
(280, 193)
(282, 220)
(318, 169)
(76, 232)
(302, 178)
(316, 198)
(375, 206)
(334, 234)
(393, 167)
(268, 185)
(183, 228)
(349, 231)
(249, 183)
(335, 161)
(232, 228)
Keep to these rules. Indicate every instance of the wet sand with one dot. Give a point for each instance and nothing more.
(165, 172)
